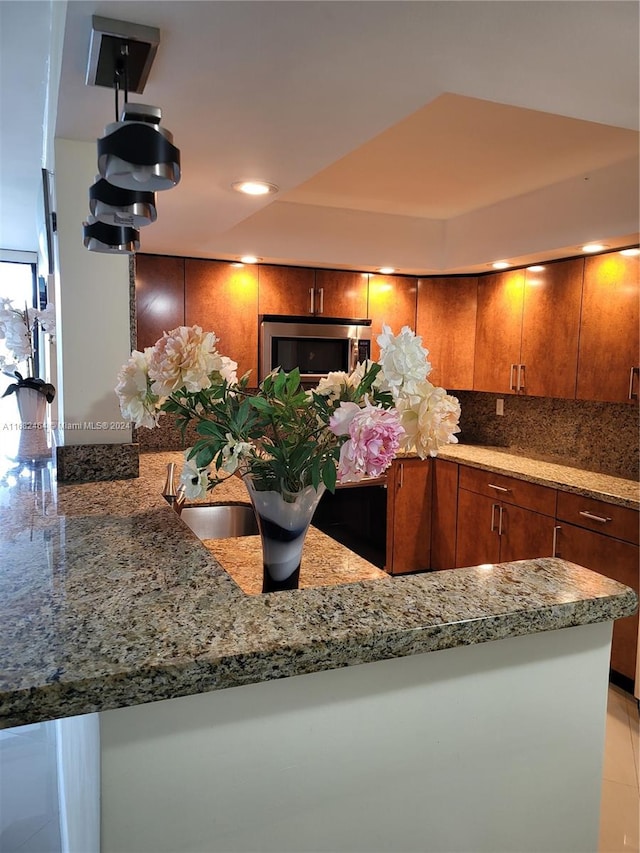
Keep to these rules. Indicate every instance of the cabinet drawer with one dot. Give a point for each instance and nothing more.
(509, 490)
(618, 521)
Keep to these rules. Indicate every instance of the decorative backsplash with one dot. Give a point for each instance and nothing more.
(601, 437)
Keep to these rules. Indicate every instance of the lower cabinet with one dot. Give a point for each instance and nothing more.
(500, 519)
(588, 541)
(409, 516)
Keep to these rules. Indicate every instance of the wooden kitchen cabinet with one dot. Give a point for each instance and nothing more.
(409, 516)
(159, 297)
(446, 321)
(608, 360)
(551, 329)
(604, 537)
(392, 300)
(502, 519)
(444, 514)
(498, 332)
(223, 298)
(286, 290)
(339, 293)
(527, 331)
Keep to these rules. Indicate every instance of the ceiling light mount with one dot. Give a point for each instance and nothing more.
(110, 40)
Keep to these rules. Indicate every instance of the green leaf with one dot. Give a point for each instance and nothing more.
(330, 475)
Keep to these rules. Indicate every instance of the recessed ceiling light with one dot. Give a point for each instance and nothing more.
(630, 252)
(386, 270)
(249, 259)
(501, 265)
(594, 247)
(535, 268)
(254, 187)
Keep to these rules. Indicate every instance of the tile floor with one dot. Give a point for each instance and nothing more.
(28, 788)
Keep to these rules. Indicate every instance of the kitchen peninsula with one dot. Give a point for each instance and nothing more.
(435, 711)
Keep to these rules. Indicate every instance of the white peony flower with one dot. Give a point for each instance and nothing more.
(403, 360)
(183, 358)
(195, 480)
(429, 417)
(332, 384)
(227, 369)
(137, 403)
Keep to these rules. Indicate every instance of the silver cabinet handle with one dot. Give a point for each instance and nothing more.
(401, 483)
(554, 544)
(500, 522)
(512, 386)
(321, 308)
(601, 518)
(493, 516)
(497, 488)
(520, 382)
(312, 292)
(633, 395)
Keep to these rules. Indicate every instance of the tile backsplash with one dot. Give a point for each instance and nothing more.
(601, 437)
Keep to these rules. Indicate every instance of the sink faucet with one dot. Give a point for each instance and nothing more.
(174, 497)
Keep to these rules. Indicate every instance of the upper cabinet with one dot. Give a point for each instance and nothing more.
(527, 331)
(446, 321)
(286, 290)
(551, 329)
(159, 297)
(222, 297)
(392, 300)
(498, 332)
(338, 293)
(608, 362)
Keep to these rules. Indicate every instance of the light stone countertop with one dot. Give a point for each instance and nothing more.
(108, 600)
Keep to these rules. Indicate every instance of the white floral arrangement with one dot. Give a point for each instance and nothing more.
(348, 427)
(18, 329)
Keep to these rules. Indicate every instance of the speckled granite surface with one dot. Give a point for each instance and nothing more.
(78, 463)
(615, 490)
(108, 600)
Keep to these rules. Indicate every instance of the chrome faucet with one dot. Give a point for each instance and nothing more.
(174, 497)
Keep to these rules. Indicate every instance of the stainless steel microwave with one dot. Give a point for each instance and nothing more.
(315, 345)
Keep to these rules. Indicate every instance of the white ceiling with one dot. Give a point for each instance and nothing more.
(431, 136)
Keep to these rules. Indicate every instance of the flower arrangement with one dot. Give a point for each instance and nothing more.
(348, 427)
(18, 328)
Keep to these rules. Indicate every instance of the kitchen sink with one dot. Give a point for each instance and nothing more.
(220, 521)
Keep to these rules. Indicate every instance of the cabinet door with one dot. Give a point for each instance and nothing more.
(286, 290)
(524, 535)
(409, 516)
(392, 300)
(609, 337)
(223, 298)
(498, 332)
(550, 329)
(341, 294)
(477, 539)
(614, 559)
(159, 297)
(446, 321)
(444, 514)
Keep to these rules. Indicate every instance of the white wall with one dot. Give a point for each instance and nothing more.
(92, 298)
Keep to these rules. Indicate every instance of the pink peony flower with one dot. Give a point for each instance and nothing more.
(374, 438)
(184, 357)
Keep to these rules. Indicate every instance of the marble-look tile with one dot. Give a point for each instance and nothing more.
(618, 818)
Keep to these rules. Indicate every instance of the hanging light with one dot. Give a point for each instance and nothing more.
(136, 153)
(115, 206)
(110, 239)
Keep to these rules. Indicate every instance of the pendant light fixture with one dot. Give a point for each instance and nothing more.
(110, 239)
(115, 206)
(136, 153)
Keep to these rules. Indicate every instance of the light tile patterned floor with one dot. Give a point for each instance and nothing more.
(28, 790)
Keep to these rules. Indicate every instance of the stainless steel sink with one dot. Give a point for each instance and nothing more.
(220, 521)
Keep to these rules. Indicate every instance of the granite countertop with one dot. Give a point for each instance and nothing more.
(614, 490)
(108, 600)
